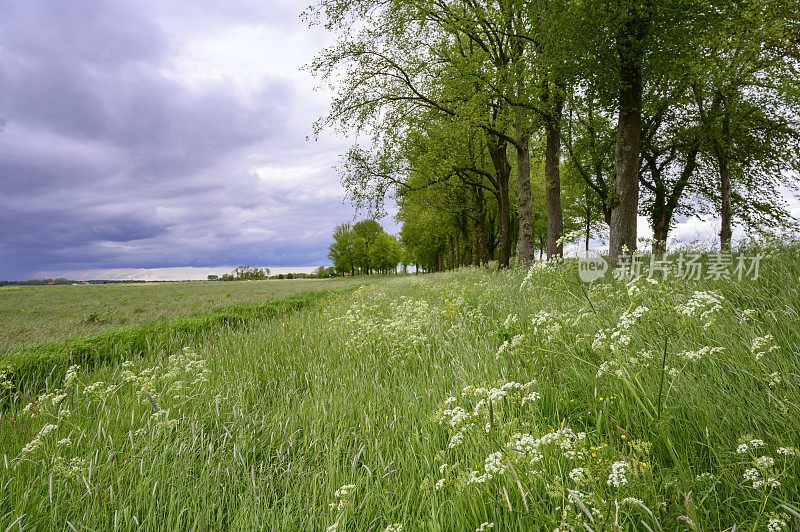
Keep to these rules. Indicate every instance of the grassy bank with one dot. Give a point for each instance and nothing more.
(31, 367)
(526, 400)
(33, 315)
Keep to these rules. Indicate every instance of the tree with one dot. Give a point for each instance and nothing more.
(385, 253)
(365, 234)
(342, 251)
(628, 45)
(443, 69)
(213, 277)
(747, 96)
(365, 246)
(246, 273)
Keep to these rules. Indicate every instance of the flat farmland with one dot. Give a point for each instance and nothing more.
(33, 315)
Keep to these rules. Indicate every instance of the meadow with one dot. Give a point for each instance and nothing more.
(33, 315)
(470, 400)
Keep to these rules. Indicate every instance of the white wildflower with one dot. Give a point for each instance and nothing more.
(457, 439)
(751, 474)
(788, 451)
(578, 475)
(776, 523)
(531, 397)
(632, 500)
(764, 462)
(618, 471)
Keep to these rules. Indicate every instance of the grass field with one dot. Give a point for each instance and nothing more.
(472, 400)
(38, 314)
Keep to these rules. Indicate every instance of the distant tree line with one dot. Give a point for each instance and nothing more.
(62, 281)
(59, 280)
(247, 273)
(364, 248)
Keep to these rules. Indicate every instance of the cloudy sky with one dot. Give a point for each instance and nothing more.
(161, 134)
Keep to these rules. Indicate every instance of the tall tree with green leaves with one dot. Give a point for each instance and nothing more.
(747, 95)
(341, 252)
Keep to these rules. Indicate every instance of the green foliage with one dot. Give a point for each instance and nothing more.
(246, 273)
(695, 102)
(365, 247)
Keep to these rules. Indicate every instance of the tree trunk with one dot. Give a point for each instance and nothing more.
(629, 132)
(451, 259)
(458, 250)
(660, 233)
(524, 194)
(588, 222)
(478, 227)
(555, 221)
(476, 254)
(726, 232)
(498, 152)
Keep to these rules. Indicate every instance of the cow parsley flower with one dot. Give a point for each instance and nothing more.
(342, 498)
(776, 522)
(788, 451)
(760, 346)
(578, 475)
(617, 477)
(36, 442)
(457, 439)
(764, 462)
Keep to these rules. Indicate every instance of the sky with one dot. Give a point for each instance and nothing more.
(166, 139)
(156, 134)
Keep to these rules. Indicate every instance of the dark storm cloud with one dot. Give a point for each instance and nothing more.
(110, 158)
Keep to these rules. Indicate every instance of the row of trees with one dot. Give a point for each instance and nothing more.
(247, 273)
(242, 273)
(503, 125)
(364, 248)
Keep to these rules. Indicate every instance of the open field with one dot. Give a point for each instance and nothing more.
(445, 402)
(38, 314)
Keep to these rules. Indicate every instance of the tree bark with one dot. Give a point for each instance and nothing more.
(499, 155)
(629, 131)
(588, 220)
(726, 232)
(526, 255)
(555, 220)
(661, 232)
(478, 227)
(667, 201)
(451, 262)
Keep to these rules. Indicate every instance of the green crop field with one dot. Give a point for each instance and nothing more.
(38, 314)
(469, 400)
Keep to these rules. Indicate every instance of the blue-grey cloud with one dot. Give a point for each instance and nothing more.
(128, 141)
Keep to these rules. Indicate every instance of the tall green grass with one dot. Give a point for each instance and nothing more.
(31, 367)
(339, 414)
